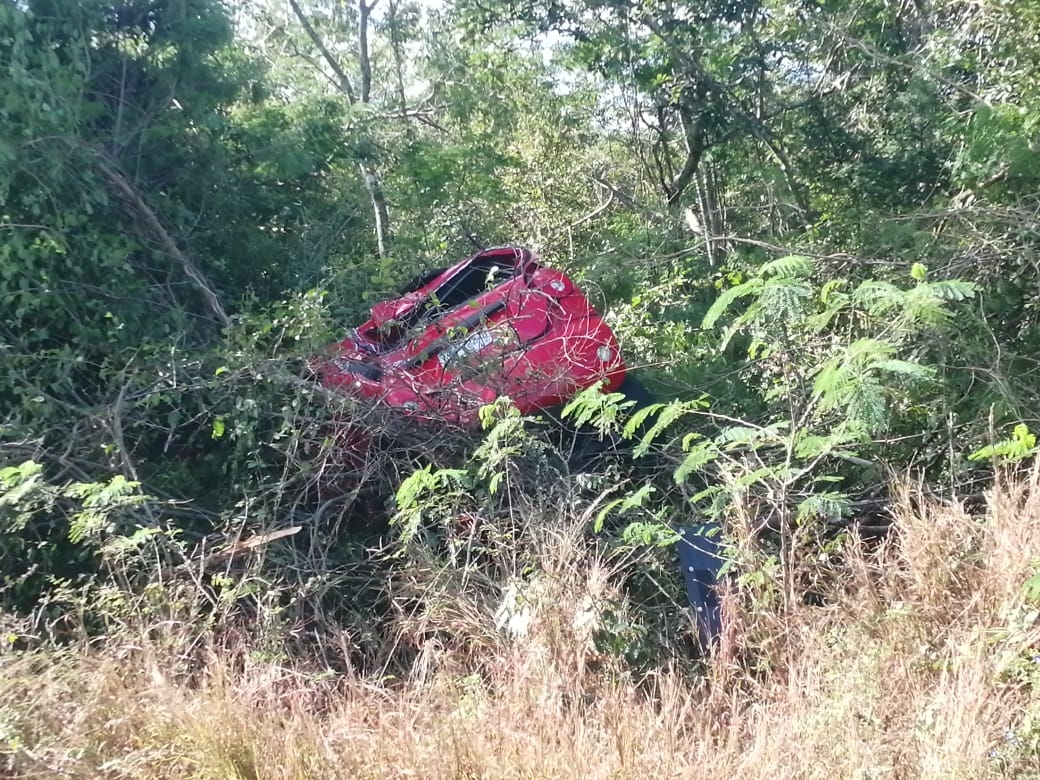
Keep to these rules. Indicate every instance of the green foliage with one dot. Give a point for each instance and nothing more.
(835, 369)
(507, 438)
(813, 232)
(99, 522)
(592, 407)
(1020, 446)
(129, 139)
(663, 417)
(635, 500)
(99, 502)
(1031, 589)
(428, 493)
(435, 498)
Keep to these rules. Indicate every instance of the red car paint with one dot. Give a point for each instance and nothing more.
(496, 324)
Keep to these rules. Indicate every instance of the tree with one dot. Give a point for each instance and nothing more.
(148, 186)
(697, 76)
(362, 96)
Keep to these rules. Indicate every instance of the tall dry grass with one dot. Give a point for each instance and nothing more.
(922, 662)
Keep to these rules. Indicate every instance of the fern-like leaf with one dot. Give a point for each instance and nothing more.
(728, 298)
(868, 351)
(867, 406)
(737, 435)
(832, 383)
(828, 505)
(879, 298)
(697, 458)
(636, 421)
(912, 371)
(783, 299)
(624, 504)
(953, 289)
(798, 266)
(835, 303)
(666, 416)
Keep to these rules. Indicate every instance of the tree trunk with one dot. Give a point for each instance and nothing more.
(369, 174)
(380, 211)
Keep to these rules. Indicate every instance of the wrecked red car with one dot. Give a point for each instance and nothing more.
(496, 324)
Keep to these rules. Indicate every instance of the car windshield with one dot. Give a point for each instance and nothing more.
(469, 282)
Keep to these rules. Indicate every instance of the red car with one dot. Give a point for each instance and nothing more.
(496, 324)
(500, 323)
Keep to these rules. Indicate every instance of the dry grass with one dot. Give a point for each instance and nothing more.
(922, 664)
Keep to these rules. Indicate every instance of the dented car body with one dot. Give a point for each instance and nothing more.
(496, 324)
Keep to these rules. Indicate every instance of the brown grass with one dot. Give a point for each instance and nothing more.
(923, 663)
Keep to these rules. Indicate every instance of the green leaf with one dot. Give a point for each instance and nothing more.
(953, 290)
(782, 299)
(649, 534)
(666, 416)
(919, 272)
(808, 446)
(830, 288)
(622, 505)
(697, 458)
(905, 368)
(737, 435)
(827, 505)
(1031, 589)
(1020, 446)
(879, 297)
(728, 298)
(494, 482)
(798, 266)
(640, 416)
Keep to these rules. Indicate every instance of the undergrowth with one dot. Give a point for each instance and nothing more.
(919, 659)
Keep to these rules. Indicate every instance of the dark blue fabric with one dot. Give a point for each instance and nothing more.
(701, 560)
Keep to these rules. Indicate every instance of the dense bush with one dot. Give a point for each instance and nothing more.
(814, 234)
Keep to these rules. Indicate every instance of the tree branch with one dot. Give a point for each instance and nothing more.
(369, 174)
(364, 9)
(596, 211)
(693, 133)
(129, 193)
(344, 80)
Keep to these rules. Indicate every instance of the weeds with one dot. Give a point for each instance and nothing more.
(920, 661)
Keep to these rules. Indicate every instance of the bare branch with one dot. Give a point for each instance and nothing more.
(344, 80)
(596, 211)
(379, 207)
(395, 47)
(129, 193)
(369, 174)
